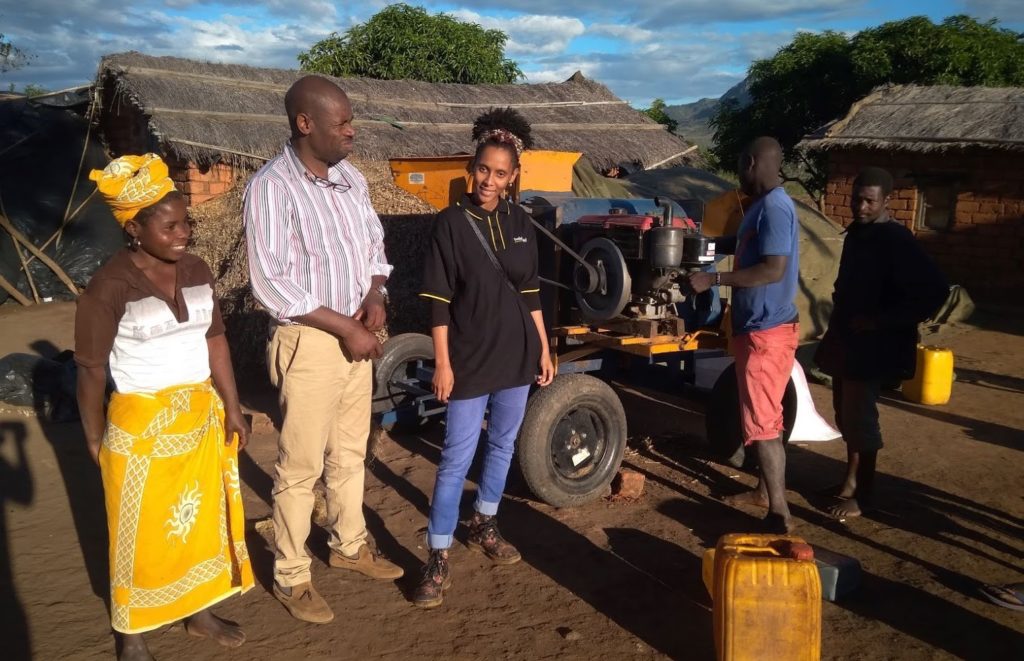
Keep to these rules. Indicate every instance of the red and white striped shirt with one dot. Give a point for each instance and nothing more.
(311, 244)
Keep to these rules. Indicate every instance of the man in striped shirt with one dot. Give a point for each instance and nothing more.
(317, 263)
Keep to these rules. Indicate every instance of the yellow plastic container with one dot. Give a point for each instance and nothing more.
(767, 604)
(933, 378)
(707, 570)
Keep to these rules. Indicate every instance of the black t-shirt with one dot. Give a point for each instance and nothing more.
(885, 276)
(492, 340)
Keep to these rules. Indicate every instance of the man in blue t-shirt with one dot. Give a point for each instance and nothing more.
(765, 322)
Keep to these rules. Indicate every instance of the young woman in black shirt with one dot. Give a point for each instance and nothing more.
(490, 344)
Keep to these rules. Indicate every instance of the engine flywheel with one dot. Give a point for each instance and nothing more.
(607, 297)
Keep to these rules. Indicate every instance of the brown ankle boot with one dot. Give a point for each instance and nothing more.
(484, 537)
(436, 579)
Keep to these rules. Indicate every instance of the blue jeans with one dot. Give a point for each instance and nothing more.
(461, 437)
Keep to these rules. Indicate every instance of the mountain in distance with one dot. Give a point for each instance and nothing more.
(693, 118)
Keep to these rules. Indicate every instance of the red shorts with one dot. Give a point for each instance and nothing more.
(764, 362)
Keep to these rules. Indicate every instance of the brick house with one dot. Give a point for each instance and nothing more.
(957, 156)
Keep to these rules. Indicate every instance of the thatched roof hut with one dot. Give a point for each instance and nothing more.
(928, 119)
(202, 112)
(957, 156)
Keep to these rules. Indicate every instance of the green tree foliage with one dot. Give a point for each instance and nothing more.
(403, 42)
(657, 113)
(817, 77)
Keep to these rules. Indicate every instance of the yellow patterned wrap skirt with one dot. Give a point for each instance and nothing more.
(174, 508)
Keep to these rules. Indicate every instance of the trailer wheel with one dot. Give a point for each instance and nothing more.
(722, 420)
(572, 440)
(400, 357)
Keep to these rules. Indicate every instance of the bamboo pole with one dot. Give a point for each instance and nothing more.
(28, 274)
(57, 270)
(63, 226)
(6, 285)
(78, 172)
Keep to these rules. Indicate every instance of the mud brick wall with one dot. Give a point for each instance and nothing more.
(983, 247)
(200, 183)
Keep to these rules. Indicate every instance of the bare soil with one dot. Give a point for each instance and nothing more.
(606, 580)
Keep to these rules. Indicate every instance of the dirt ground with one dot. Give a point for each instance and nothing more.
(607, 580)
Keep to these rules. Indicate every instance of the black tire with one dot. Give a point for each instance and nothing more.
(400, 357)
(551, 440)
(722, 420)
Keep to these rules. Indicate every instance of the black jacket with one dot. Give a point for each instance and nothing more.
(885, 277)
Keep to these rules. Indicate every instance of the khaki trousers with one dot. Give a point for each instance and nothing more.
(325, 398)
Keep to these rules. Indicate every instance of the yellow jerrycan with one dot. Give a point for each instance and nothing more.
(933, 378)
(767, 599)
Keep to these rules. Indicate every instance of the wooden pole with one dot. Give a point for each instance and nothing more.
(6, 285)
(63, 226)
(28, 274)
(57, 270)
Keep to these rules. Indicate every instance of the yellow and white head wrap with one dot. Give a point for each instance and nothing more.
(132, 183)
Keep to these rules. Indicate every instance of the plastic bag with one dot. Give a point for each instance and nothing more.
(48, 385)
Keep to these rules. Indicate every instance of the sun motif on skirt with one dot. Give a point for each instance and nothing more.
(231, 480)
(183, 515)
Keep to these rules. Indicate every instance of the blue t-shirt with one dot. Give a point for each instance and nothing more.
(769, 227)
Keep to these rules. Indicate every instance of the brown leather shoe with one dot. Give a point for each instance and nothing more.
(304, 603)
(367, 562)
(429, 592)
(484, 537)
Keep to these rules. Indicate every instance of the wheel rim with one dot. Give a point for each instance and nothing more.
(578, 444)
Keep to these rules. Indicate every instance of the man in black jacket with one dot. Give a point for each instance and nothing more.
(886, 286)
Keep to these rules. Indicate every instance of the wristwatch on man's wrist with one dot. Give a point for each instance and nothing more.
(382, 290)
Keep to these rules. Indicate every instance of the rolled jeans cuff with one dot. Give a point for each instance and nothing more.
(439, 541)
(485, 508)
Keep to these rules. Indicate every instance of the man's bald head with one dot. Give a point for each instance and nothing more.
(311, 95)
(320, 117)
(760, 165)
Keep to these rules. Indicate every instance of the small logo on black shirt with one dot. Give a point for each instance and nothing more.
(519, 239)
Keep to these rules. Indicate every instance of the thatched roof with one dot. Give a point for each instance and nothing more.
(201, 112)
(928, 119)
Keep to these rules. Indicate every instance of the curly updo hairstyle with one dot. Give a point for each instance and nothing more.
(505, 128)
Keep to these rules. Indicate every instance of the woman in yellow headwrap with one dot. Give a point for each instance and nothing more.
(167, 444)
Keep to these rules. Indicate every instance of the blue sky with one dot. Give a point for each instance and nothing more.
(680, 50)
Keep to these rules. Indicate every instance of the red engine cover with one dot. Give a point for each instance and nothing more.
(642, 223)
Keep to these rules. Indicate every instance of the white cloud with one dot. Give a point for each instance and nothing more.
(67, 50)
(628, 33)
(1007, 11)
(658, 14)
(529, 34)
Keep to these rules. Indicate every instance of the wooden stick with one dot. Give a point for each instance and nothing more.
(78, 173)
(57, 270)
(62, 227)
(28, 274)
(21, 258)
(13, 291)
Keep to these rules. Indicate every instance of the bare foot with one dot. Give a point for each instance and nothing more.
(778, 524)
(133, 648)
(842, 490)
(205, 624)
(753, 498)
(848, 509)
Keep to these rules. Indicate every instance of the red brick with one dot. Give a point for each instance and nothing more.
(628, 485)
(982, 218)
(967, 207)
(899, 205)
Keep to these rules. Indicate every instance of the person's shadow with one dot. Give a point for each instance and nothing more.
(81, 477)
(15, 486)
